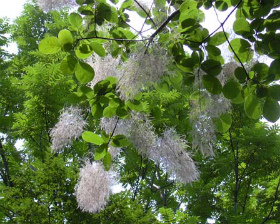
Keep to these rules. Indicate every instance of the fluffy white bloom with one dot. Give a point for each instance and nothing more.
(142, 69)
(93, 188)
(203, 135)
(172, 155)
(168, 151)
(104, 67)
(202, 112)
(69, 127)
(138, 129)
(48, 5)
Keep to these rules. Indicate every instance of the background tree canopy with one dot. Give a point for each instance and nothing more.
(172, 113)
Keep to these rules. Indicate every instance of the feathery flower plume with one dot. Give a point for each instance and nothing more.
(69, 127)
(138, 129)
(93, 188)
(202, 112)
(172, 155)
(48, 5)
(142, 69)
(104, 67)
(168, 151)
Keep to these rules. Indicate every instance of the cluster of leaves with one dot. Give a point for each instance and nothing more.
(239, 185)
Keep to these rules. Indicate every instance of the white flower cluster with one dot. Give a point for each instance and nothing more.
(104, 67)
(142, 69)
(93, 188)
(202, 112)
(169, 151)
(139, 71)
(69, 127)
(48, 5)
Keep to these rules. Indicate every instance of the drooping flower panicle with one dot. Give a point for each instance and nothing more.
(69, 127)
(169, 151)
(93, 188)
(171, 154)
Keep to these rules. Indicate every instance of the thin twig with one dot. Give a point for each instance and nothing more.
(144, 10)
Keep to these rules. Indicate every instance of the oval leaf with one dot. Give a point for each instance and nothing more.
(75, 20)
(68, 65)
(98, 49)
(223, 123)
(274, 92)
(241, 26)
(211, 67)
(252, 107)
(50, 45)
(107, 161)
(231, 89)
(84, 72)
(271, 110)
(92, 138)
(212, 84)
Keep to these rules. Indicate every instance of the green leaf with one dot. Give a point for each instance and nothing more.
(211, 67)
(135, 105)
(271, 110)
(242, 48)
(261, 91)
(241, 26)
(92, 138)
(274, 92)
(275, 68)
(75, 20)
(218, 38)
(109, 111)
(87, 91)
(66, 39)
(100, 152)
(121, 112)
(187, 6)
(68, 65)
(107, 161)
(211, 49)
(260, 71)
(97, 111)
(83, 51)
(238, 100)
(98, 48)
(240, 74)
(221, 5)
(223, 123)
(252, 107)
(84, 72)
(231, 89)
(50, 45)
(120, 141)
(212, 84)
(160, 3)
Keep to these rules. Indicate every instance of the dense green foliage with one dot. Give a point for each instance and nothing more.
(236, 154)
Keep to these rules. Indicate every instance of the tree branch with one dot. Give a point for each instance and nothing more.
(144, 10)
(275, 198)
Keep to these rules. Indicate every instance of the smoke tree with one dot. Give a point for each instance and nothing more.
(170, 111)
